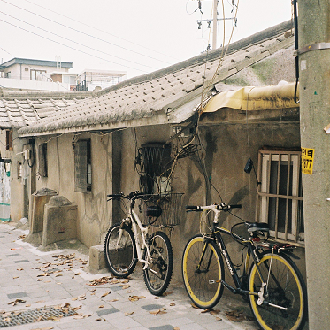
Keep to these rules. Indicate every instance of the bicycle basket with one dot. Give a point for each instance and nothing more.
(161, 210)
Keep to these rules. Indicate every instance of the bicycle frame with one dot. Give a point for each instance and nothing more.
(216, 231)
(138, 227)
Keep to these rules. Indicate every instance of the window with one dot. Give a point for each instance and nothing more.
(8, 75)
(37, 74)
(43, 163)
(9, 140)
(82, 166)
(280, 193)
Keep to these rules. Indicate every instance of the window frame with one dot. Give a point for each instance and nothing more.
(43, 160)
(82, 165)
(293, 183)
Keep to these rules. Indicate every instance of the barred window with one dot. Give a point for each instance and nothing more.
(43, 162)
(82, 166)
(280, 194)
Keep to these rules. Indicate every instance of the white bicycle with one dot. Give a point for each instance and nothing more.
(129, 241)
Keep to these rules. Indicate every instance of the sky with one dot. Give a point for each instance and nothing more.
(131, 36)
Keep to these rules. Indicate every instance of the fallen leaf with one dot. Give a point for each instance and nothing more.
(193, 305)
(167, 293)
(158, 312)
(131, 313)
(215, 311)
(237, 316)
(124, 281)
(20, 269)
(176, 328)
(17, 301)
(124, 287)
(15, 277)
(205, 310)
(135, 298)
(218, 318)
(101, 306)
(54, 318)
(7, 319)
(172, 304)
(113, 300)
(105, 294)
(98, 319)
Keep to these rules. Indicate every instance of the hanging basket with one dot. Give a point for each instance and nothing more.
(161, 210)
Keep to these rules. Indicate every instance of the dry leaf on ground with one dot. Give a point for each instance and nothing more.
(160, 311)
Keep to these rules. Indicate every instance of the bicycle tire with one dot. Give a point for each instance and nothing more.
(120, 256)
(158, 274)
(285, 288)
(203, 284)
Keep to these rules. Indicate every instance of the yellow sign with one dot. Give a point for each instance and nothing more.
(307, 159)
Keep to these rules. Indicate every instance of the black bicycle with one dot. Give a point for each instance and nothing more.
(269, 279)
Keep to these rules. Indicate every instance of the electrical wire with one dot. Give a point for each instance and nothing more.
(87, 34)
(79, 50)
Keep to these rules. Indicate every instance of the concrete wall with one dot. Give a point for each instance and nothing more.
(22, 71)
(226, 147)
(93, 211)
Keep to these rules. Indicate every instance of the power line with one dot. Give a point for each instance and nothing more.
(79, 50)
(86, 34)
(75, 42)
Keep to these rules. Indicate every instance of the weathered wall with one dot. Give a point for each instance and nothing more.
(93, 212)
(226, 148)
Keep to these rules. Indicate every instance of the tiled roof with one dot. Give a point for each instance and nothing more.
(24, 108)
(168, 95)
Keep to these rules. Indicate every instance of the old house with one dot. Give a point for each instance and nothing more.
(20, 109)
(161, 131)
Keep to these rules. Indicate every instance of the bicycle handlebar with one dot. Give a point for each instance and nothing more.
(221, 206)
(131, 195)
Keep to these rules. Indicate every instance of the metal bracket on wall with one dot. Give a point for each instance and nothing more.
(308, 48)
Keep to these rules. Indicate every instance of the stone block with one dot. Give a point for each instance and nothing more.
(60, 220)
(96, 260)
(39, 199)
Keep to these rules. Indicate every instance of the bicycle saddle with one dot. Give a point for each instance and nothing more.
(257, 226)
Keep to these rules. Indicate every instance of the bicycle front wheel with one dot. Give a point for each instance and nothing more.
(284, 302)
(157, 275)
(119, 250)
(202, 271)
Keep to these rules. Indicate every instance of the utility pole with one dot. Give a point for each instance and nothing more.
(314, 90)
(215, 24)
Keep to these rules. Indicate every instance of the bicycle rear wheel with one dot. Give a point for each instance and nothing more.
(158, 274)
(119, 250)
(285, 296)
(202, 271)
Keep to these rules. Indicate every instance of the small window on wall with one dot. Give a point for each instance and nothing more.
(82, 166)
(43, 161)
(9, 140)
(280, 194)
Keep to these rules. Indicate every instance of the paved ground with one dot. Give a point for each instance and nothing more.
(39, 289)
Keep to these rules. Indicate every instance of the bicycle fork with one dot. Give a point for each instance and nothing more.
(263, 292)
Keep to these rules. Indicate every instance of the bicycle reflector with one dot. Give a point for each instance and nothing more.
(154, 211)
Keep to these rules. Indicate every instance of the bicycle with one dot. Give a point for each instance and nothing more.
(130, 241)
(270, 280)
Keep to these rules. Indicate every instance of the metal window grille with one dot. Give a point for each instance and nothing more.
(280, 194)
(43, 163)
(155, 166)
(82, 166)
